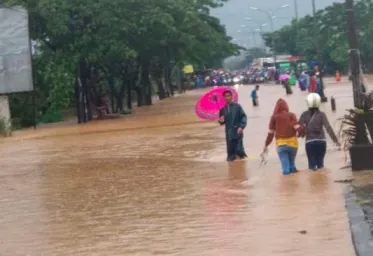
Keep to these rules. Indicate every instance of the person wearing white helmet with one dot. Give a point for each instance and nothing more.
(313, 121)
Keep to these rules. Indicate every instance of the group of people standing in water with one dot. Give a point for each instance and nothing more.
(285, 128)
(310, 81)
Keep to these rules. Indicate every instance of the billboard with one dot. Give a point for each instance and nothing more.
(15, 56)
(188, 69)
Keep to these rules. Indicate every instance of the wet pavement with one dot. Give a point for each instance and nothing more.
(156, 183)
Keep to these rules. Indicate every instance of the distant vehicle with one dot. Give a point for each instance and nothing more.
(238, 79)
(259, 77)
(227, 80)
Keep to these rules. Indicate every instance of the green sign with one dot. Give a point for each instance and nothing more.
(285, 65)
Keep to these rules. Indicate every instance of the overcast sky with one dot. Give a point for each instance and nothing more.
(233, 14)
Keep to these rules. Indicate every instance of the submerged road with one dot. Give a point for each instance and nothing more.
(156, 183)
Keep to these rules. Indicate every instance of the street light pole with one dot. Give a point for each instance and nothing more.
(273, 41)
(318, 55)
(252, 34)
(270, 15)
(259, 29)
(297, 22)
(315, 29)
(296, 9)
(313, 7)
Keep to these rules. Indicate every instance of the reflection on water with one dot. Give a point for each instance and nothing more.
(156, 183)
(237, 171)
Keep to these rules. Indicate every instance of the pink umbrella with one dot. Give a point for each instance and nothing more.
(284, 77)
(209, 105)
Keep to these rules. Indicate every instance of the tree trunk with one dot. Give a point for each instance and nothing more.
(121, 95)
(132, 79)
(157, 74)
(140, 95)
(182, 81)
(178, 79)
(83, 75)
(129, 93)
(78, 98)
(112, 92)
(91, 88)
(93, 96)
(170, 80)
(161, 92)
(167, 79)
(145, 81)
(168, 69)
(167, 87)
(354, 54)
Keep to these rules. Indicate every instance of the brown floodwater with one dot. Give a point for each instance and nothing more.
(156, 183)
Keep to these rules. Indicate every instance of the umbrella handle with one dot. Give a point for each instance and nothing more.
(215, 98)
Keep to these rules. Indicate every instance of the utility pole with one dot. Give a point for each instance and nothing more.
(273, 40)
(296, 10)
(354, 54)
(318, 56)
(270, 15)
(296, 34)
(297, 20)
(313, 7)
(315, 29)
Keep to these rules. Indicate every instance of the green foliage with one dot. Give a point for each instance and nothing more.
(357, 124)
(117, 40)
(22, 110)
(51, 116)
(54, 75)
(329, 36)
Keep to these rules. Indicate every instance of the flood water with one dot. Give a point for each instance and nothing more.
(156, 183)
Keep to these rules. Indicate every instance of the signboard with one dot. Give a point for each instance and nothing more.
(15, 56)
(285, 65)
(188, 69)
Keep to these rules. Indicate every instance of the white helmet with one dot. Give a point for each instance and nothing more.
(313, 100)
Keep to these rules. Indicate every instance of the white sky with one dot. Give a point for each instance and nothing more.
(233, 14)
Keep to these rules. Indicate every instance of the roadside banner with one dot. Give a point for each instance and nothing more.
(188, 69)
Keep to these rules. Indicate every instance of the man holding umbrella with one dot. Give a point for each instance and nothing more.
(234, 119)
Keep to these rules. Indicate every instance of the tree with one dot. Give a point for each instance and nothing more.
(119, 47)
(332, 26)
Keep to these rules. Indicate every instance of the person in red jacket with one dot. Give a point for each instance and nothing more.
(283, 126)
(313, 83)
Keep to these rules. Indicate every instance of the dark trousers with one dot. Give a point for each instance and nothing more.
(235, 148)
(315, 153)
(288, 89)
(255, 102)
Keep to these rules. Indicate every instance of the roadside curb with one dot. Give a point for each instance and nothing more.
(360, 230)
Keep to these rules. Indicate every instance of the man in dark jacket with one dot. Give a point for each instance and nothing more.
(234, 119)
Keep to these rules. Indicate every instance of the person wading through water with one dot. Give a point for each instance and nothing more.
(312, 122)
(255, 96)
(234, 119)
(283, 125)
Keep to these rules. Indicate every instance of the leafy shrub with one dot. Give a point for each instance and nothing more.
(357, 124)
